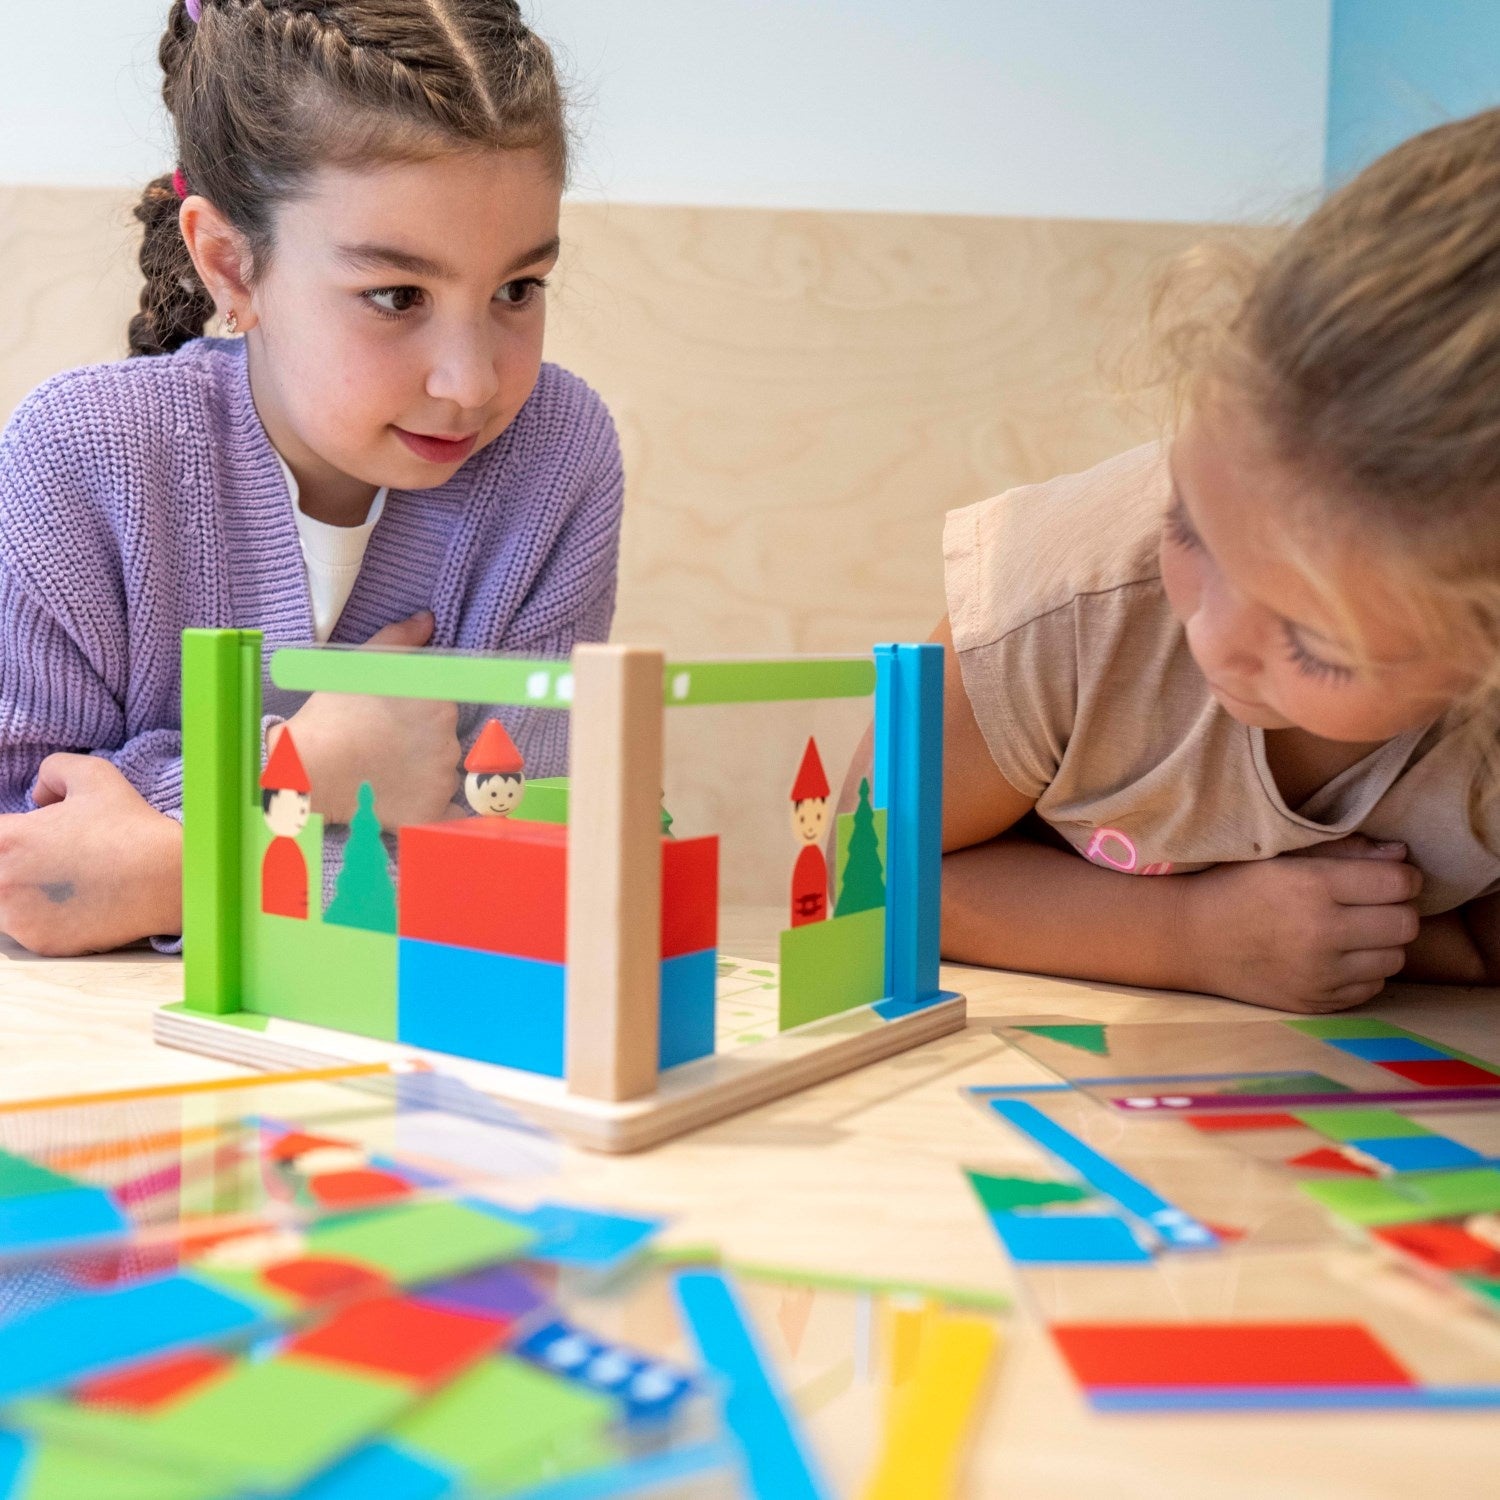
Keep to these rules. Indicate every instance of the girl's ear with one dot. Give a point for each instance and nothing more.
(221, 257)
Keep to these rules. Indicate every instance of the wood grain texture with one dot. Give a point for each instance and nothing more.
(614, 873)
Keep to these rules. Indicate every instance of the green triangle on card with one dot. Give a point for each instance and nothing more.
(1085, 1038)
(1002, 1195)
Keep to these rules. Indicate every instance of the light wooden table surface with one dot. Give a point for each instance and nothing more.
(862, 1174)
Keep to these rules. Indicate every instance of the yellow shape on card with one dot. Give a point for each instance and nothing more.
(928, 1418)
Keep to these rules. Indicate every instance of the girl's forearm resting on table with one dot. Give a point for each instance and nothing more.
(1014, 904)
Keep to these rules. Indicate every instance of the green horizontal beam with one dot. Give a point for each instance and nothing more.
(549, 684)
(694, 682)
(447, 677)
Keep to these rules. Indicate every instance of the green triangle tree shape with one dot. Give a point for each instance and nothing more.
(864, 880)
(1085, 1038)
(364, 896)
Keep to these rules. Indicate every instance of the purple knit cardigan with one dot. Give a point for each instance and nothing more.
(142, 497)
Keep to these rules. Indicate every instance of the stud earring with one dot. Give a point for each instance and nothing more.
(231, 322)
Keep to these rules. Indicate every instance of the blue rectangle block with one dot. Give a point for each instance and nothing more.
(1421, 1153)
(488, 1006)
(1068, 1239)
(688, 983)
(1388, 1049)
(88, 1334)
(64, 1217)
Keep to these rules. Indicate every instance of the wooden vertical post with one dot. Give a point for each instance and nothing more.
(614, 873)
(214, 732)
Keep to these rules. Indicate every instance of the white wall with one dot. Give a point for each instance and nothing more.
(1155, 109)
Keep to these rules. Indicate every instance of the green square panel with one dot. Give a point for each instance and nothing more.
(1365, 1201)
(58, 1471)
(1345, 1028)
(1473, 1190)
(832, 966)
(276, 1421)
(419, 1242)
(1360, 1124)
(498, 1422)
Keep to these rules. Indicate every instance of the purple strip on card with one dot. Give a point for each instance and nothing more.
(1250, 1104)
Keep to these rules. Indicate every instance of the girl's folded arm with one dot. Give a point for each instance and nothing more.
(52, 699)
(1011, 903)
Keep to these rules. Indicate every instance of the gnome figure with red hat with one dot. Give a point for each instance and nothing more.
(286, 801)
(494, 773)
(809, 823)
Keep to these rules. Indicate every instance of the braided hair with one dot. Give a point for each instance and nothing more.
(261, 93)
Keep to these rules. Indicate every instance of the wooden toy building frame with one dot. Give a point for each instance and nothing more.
(612, 1095)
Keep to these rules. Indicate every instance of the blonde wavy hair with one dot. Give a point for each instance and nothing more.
(1366, 347)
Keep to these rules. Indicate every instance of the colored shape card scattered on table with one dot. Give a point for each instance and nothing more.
(1058, 1239)
(1176, 1228)
(1001, 1195)
(1249, 1366)
(274, 1420)
(94, 1332)
(1179, 1067)
(581, 1237)
(932, 1412)
(778, 1465)
(648, 1389)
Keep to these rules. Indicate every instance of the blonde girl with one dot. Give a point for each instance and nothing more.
(1222, 710)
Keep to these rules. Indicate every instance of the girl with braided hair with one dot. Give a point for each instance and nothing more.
(366, 200)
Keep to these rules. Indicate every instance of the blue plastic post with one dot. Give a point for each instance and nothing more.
(909, 766)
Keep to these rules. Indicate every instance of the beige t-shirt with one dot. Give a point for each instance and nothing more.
(1085, 691)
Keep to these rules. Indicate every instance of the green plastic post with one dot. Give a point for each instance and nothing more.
(214, 732)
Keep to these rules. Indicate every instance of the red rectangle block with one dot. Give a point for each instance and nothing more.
(1134, 1355)
(689, 895)
(496, 884)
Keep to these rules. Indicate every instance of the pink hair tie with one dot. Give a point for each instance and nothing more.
(195, 11)
(179, 184)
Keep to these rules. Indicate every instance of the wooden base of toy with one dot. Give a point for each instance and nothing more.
(686, 1097)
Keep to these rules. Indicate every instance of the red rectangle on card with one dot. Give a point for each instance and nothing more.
(1244, 1122)
(1444, 1073)
(1127, 1355)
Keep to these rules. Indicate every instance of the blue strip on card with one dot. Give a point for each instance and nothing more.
(1068, 1239)
(636, 1475)
(1178, 1229)
(94, 1332)
(68, 1216)
(779, 1468)
(1419, 1153)
(14, 1451)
